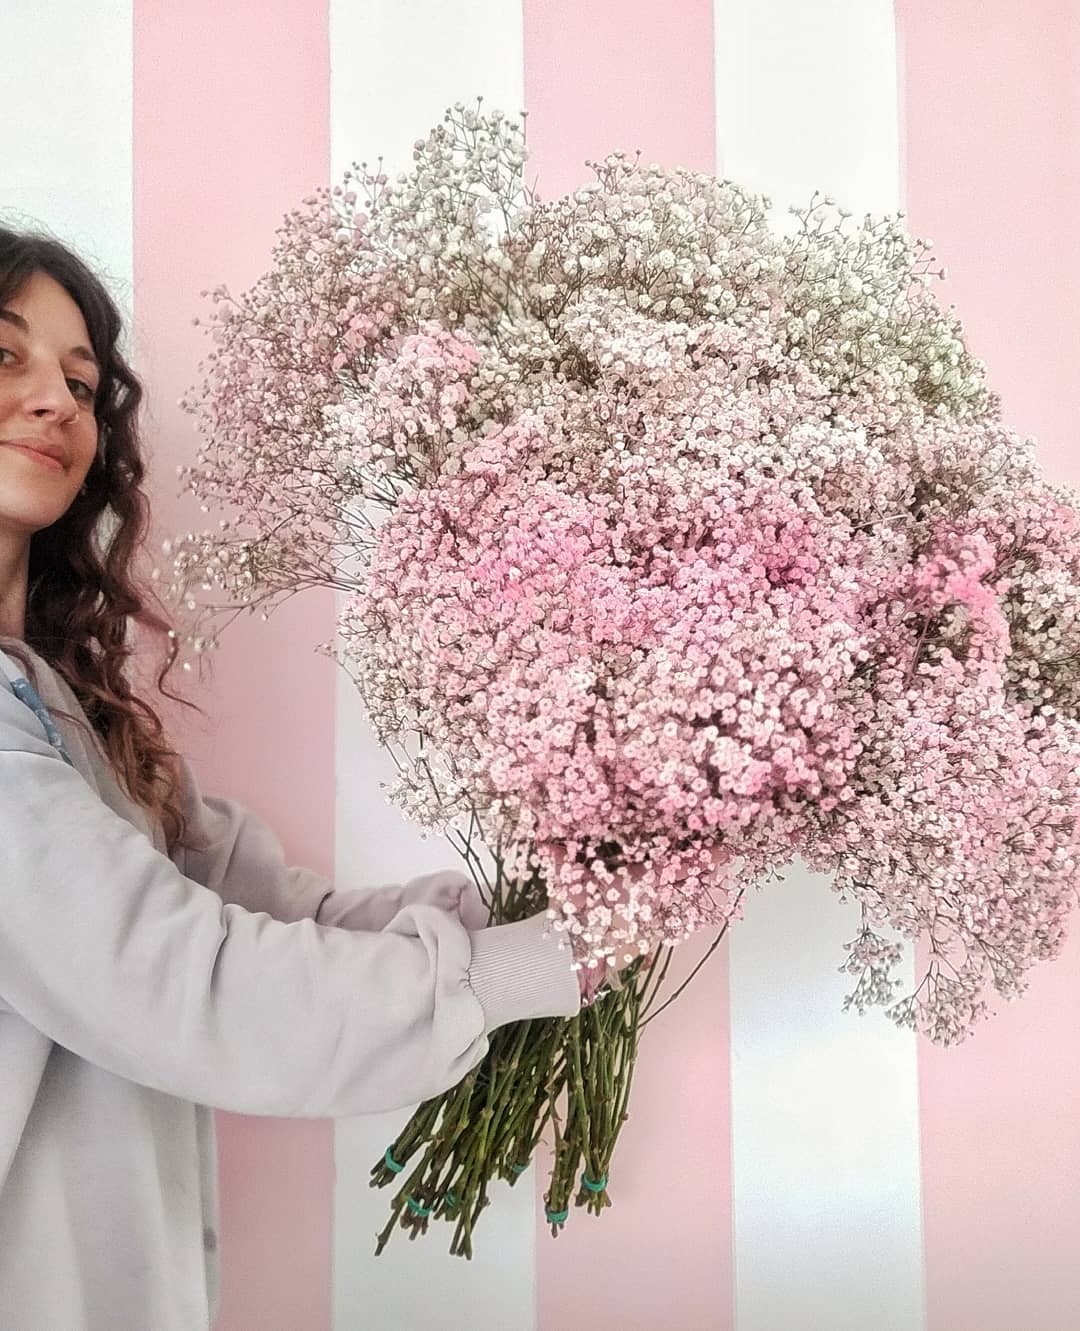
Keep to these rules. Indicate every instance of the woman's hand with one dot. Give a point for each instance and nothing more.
(473, 911)
(452, 891)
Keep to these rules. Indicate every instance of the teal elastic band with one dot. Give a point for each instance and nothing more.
(390, 1162)
(519, 1169)
(557, 1217)
(599, 1186)
(417, 1209)
(451, 1197)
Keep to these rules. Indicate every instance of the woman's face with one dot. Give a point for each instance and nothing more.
(48, 432)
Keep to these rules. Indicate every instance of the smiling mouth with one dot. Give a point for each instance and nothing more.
(43, 458)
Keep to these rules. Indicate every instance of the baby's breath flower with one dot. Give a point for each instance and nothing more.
(671, 535)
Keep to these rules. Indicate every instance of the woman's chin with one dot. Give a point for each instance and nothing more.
(27, 517)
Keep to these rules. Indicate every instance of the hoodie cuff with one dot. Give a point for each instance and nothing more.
(520, 971)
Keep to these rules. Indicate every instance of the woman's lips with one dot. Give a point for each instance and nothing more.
(43, 458)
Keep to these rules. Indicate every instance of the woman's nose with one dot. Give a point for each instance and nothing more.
(46, 393)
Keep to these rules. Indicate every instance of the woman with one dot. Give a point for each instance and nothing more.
(157, 956)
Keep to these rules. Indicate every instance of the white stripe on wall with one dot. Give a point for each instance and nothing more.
(825, 1126)
(67, 142)
(395, 66)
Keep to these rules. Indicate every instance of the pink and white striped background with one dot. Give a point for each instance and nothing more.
(785, 1168)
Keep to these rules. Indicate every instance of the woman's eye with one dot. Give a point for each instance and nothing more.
(78, 388)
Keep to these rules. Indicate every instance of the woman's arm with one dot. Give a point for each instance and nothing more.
(107, 948)
(242, 860)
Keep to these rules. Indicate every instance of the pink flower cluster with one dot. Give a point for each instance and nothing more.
(705, 549)
(689, 661)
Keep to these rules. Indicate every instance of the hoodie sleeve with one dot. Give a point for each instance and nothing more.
(107, 947)
(236, 855)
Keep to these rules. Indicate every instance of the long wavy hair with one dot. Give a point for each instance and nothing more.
(83, 594)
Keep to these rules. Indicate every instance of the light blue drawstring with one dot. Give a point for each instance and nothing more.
(26, 693)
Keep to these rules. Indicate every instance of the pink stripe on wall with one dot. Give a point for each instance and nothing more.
(597, 79)
(230, 131)
(990, 97)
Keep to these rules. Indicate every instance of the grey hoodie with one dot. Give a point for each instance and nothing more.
(137, 991)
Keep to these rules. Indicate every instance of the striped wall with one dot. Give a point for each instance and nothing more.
(230, 128)
(992, 120)
(785, 1168)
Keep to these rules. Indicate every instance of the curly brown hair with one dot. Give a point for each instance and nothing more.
(82, 593)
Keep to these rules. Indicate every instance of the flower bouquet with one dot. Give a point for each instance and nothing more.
(677, 542)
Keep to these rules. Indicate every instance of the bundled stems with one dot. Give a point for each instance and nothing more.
(572, 1074)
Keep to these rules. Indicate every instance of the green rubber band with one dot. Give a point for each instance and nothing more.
(451, 1197)
(519, 1169)
(557, 1217)
(390, 1162)
(417, 1209)
(598, 1186)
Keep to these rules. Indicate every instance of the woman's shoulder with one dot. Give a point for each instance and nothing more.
(22, 730)
(54, 688)
(26, 716)
(48, 682)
